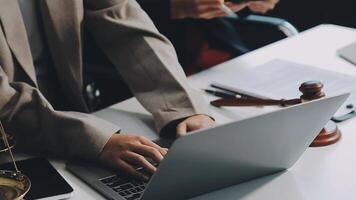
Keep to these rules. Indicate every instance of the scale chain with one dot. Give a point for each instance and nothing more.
(2, 130)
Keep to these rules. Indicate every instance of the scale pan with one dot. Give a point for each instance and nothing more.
(13, 185)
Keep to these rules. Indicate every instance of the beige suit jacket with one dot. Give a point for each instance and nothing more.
(144, 58)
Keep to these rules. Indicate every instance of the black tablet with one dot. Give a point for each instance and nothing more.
(46, 182)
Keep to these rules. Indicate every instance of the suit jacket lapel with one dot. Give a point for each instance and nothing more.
(62, 20)
(15, 33)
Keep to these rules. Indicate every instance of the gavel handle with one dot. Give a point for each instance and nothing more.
(254, 102)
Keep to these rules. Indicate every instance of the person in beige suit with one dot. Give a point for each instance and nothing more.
(41, 75)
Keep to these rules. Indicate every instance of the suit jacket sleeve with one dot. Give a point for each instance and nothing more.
(36, 126)
(145, 58)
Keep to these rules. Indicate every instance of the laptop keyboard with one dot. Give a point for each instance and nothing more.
(130, 190)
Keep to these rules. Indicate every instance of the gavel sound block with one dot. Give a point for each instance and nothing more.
(311, 90)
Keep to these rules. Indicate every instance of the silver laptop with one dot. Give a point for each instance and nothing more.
(222, 156)
(348, 53)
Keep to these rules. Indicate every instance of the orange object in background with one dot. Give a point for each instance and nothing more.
(202, 55)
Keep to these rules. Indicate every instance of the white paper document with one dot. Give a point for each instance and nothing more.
(281, 79)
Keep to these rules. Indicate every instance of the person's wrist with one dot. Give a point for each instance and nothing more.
(208, 116)
(179, 9)
(170, 130)
(176, 8)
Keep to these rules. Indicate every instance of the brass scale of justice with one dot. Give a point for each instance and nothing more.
(14, 185)
(311, 90)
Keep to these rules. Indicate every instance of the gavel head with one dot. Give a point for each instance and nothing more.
(311, 90)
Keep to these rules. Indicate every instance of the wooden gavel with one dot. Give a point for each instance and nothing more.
(311, 90)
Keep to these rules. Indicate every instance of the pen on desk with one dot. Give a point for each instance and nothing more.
(229, 12)
(222, 94)
(242, 93)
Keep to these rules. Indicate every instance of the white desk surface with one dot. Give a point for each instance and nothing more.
(321, 173)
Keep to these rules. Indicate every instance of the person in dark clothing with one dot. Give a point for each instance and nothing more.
(199, 29)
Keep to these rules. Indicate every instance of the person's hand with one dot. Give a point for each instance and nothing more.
(193, 123)
(203, 9)
(262, 6)
(127, 152)
(236, 7)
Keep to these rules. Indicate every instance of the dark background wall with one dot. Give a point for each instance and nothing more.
(305, 14)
